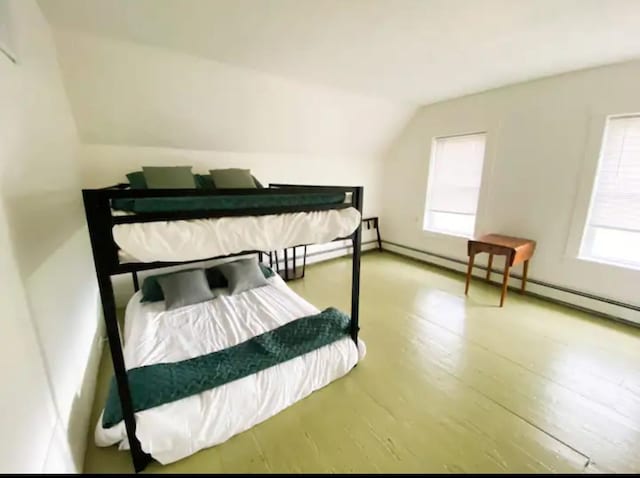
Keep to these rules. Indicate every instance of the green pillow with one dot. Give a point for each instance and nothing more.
(215, 278)
(169, 177)
(232, 178)
(204, 181)
(152, 292)
(266, 270)
(136, 180)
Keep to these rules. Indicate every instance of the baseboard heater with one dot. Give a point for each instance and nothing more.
(632, 308)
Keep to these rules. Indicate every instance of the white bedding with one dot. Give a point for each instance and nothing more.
(178, 429)
(173, 241)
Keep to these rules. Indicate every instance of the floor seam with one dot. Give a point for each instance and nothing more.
(534, 372)
(530, 423)
(525, 420)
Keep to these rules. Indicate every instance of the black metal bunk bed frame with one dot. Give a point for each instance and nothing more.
(100, 221)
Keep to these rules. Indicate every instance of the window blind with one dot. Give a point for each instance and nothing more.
(616, 197)
(455, 175)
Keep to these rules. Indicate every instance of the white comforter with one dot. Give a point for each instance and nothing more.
(178, 429)
(195, 239)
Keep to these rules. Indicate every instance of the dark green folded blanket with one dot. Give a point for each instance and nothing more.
(227, 203)
(155, 385)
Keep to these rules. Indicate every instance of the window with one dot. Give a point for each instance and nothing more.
(612, 232)
(455, 173)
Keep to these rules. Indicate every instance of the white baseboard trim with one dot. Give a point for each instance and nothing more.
(601, 306)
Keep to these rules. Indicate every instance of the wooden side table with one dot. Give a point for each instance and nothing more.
(515, 250)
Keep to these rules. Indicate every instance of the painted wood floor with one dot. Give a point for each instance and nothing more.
(448, 385)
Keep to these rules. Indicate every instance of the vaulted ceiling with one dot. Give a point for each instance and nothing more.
(416, 50)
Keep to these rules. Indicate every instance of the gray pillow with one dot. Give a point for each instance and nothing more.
(232, 178)
(184, 288)
(243, 275)
(169, 177)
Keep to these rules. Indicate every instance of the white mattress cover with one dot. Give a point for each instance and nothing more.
(195, 239)
(152, 335)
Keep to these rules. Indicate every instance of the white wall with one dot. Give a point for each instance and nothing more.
(124, 93)
(48, 294)
(538, 134)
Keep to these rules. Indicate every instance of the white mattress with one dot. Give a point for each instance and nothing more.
(173, 241)
(178, 429)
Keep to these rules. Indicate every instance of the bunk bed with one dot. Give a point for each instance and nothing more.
(133, 230)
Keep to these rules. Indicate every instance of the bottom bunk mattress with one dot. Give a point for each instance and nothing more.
(154, 335)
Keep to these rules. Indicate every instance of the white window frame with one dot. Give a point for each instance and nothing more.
(482, 199)
(586, 183)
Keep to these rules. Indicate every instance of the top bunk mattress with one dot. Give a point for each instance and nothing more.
(226, 202)
(196, 239)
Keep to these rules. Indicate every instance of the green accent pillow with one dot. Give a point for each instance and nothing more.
(152, 292)
(204, 181)
(232, 178)
(136, 180)
(169, 177)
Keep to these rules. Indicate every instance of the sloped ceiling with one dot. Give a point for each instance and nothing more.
(318, 76)
(416, 50)
(124, 93)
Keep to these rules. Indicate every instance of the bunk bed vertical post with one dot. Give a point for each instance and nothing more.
(98, 215)
(136, 284)
(356, 240)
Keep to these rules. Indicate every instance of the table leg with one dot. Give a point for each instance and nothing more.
(525, 271)
(489, 266)
(505, 281)
(472, 257)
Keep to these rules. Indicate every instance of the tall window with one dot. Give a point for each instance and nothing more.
(612, 232)
(455, 174)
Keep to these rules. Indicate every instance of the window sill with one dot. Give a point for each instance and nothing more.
(610, 263)
(446, 234)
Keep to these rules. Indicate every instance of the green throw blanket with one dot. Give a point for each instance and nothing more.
(155, 385)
